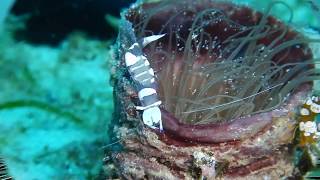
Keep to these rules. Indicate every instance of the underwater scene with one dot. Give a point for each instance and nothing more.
(159, 89)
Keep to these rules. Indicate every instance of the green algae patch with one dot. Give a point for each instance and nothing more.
(42, 106)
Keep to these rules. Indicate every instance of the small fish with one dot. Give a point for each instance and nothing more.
(4, 171)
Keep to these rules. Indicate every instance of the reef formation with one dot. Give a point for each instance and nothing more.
(230, 80)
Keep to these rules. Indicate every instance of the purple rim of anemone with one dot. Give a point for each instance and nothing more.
(235, 130)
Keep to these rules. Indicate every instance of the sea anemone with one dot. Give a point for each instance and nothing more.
(229, 78)
(218, 63)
